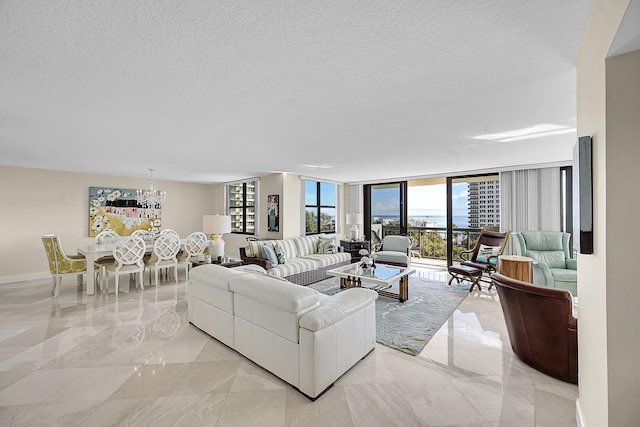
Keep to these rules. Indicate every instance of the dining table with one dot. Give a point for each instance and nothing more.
(97, 250)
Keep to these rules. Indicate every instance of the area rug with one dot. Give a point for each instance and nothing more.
(409, 326)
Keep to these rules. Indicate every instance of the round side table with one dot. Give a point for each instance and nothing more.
(517, 267)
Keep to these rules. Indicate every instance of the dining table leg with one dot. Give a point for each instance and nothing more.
(91, 275)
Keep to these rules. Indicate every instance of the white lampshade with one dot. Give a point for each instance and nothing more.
(355, 218)
(216, 224)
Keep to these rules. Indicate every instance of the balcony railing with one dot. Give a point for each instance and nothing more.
(431, 242)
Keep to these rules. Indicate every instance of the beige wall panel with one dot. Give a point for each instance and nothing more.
(37, 202)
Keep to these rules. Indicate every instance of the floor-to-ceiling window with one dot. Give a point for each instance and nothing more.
(474, 205)
(427, 217)
(442, 216)
(385, 209)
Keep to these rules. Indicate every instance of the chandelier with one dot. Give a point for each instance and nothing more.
(150, 197)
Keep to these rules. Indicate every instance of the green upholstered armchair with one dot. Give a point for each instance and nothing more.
(552, 256)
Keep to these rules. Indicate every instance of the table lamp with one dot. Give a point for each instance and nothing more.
(354, 220)
(216, 225)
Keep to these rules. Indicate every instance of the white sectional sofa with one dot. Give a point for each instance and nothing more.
(300, 262)
(306, 338)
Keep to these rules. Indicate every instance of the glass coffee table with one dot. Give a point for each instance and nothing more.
(380, 278)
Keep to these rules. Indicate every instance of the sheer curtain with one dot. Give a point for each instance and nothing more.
(531, 200)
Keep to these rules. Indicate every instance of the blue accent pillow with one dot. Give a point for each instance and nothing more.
(269, 253)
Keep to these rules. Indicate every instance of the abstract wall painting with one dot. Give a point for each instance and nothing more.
(117, 209)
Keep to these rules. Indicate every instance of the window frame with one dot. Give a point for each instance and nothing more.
(244, 206)
(318, 206)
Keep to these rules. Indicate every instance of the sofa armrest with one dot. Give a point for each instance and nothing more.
(264, 263)
(336, 308)
(572, 264)
(548, 277)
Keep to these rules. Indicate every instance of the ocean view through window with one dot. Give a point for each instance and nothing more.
(421, 212)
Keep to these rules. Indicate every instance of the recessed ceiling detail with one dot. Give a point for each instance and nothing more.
(537, 131)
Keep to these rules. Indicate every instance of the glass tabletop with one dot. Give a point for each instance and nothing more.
(381, 273)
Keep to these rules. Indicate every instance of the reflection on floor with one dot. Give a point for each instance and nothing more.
(135, 360)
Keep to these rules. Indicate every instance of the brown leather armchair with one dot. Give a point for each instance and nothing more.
(542, 329)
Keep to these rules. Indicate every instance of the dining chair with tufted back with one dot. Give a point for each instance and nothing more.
(61, 264)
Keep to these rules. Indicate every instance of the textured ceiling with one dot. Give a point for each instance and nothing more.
(216, 91)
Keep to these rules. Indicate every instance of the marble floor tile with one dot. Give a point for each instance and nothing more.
(47, 350)
(245, 408)
(493, 400)
(152, 381)
(193, 411)
(371, 369)
(215, 351)
(57, 414)
(208, 377)
(95, 384)
(332, 409)
(251, 377)
(133, 359)
(38, 386)
(380, 404)
(5, 334)
(438, 402)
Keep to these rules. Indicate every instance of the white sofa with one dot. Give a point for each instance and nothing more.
(306, 338)
(301, 261)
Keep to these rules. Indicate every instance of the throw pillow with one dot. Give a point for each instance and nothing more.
(326, 245)
(269, 253)
(279, 248)
(254, 249)
(488, 251)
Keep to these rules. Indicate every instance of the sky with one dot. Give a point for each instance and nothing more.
(428, 200)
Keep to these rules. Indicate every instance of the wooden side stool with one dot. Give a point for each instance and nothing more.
(464, 272)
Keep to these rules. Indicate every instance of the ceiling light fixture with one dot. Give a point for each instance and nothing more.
(537, 131)
(150, 197)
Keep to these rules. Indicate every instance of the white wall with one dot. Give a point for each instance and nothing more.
(622, 236)
(37, 202)
(291, 205)
(608, 324)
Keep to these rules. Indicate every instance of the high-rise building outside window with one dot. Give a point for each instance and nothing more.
(241, 198)
(480, 215)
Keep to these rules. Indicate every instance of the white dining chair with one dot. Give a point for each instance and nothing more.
(194, 246)
(146, 235)
(165, 249)
(169, 231)
(128, 253)
(107, 236)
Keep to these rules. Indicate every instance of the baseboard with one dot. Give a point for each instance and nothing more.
(579, 418)
(24, 277)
